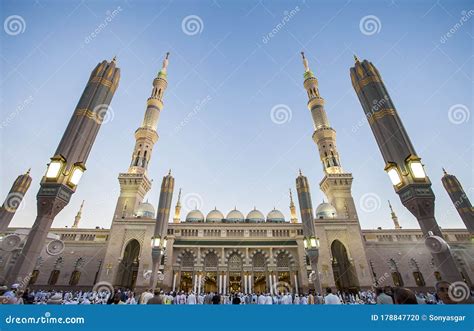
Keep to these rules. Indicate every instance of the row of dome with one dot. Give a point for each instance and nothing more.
(235, 216)
(323, 211)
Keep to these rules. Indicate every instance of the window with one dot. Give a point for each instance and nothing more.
(420, 281)
(437, 275)
(75, 276)
(53, 278)
(397, 278)
(34, 277)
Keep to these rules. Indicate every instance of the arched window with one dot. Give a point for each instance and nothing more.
(75, 276)
(420, 281)
(438, 277)
(53, 277)
(235, 262)
(283, 261)
(34, 277)
(211, 260)
(258, 261)
(397, 278)
(187, 260)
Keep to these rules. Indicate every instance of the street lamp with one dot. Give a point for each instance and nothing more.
(403, 165)
(68, 163)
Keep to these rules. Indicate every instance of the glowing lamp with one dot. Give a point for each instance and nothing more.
(155, 242)
(393, 173)
(54, 168)
(416, 169)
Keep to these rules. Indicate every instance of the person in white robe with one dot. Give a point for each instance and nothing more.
(191, 299)
(261, 299)
(269, 300)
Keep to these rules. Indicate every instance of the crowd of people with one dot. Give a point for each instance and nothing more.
(386, 295)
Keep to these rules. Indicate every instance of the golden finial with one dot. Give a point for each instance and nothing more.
(169, 172)
(301, 174)
(444, 170)
(28, 172)
(165, 63)
(114, 60)
(305, 62)
(356, 59)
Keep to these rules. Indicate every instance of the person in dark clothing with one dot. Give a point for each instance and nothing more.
(404, 296)
(236, 300)
(216, 299)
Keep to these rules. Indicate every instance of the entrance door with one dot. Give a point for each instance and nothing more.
(128, 267)
(186, 283)
(345, 275)
(259, 282)
(210, 283)
(235, 282)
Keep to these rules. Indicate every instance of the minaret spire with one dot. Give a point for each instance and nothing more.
(294, 218)
(324, 137)
(78, 216)
(394, 217)
(134, 184)
(305, 62)
(177, 209)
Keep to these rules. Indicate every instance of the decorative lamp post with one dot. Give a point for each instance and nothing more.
(68, 163)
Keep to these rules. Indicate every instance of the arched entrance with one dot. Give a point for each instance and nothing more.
(128, 267)
(283, 284)
(235, 273)
(259, 266)
(210, 267)
(345, 275)
(187, 272)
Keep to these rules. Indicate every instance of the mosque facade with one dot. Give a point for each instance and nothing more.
(212, 251)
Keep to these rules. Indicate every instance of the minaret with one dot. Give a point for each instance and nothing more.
(306, 205)
(134, 184)
(161, 225)
(460, 200)
(402, 163)
(294, 218)
(78, 216)
(13, 200)
(336, 184)
(177, 209)
(394, 217)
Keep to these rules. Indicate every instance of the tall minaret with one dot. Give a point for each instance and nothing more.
(336, 184)
(78, 216)
(394, 217)
(177, 209)
(306, 205)
(294, 218)
(134, 184)
(13, 200)
(460, 200)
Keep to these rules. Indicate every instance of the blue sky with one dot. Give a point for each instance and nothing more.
(223, 83)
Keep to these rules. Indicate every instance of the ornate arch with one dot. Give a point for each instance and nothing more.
(234, 251)
(186, 251)
(207, 251)
(285, 253)
(264, 253)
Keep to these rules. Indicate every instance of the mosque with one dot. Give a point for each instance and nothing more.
(255, 251)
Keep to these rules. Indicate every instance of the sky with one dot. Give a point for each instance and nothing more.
(235, 127)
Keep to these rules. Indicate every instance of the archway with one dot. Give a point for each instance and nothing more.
(210, 267)
(345, 275)
(259, 266)
(187, 271)
(235, 273)
(128, 267)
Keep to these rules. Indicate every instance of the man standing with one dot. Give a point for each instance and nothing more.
(383, 298)
(191, 298)
(157, 299)
(147, 295)
(331, 299)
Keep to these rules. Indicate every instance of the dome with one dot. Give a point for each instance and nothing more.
(255, 216)
(325, 210)
(275, 216)
(145, 210)
(214, 216)
(235, 216)
(195, 216)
